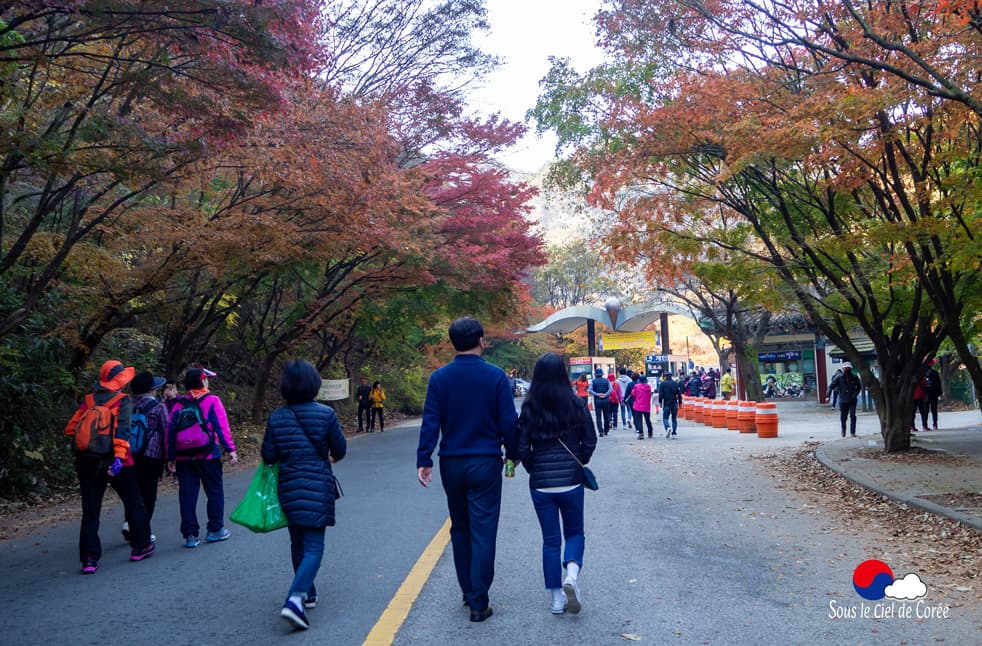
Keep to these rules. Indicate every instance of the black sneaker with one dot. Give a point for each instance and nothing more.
(481, 615)
(126, 531)
(310, 602)
(142, 553)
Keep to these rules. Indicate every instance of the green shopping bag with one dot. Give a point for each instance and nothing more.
(260, 510)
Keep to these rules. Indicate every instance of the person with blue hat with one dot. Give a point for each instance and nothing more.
(148, 424)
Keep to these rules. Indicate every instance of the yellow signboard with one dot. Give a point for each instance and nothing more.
(624, 340)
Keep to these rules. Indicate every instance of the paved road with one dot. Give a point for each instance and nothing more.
(688, 542)
(230, 592)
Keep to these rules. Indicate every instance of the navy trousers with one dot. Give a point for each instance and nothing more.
(473, 488)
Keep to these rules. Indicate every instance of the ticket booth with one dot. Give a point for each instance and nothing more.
(587, 366)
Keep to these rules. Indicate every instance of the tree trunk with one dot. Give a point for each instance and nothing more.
(259, 390)
(970, 360)
(749, 368)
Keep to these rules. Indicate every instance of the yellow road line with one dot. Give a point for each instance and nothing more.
(384, 631)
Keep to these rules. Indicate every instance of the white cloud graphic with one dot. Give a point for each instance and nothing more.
(909, 587)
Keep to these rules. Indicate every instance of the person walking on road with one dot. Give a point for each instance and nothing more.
(148, 459)
(640, 397)
(362, 395)
(600, 390)
(199, 464)
(469, 410)
(933, 380)
(305, 439)
(615, 401)
(100, 458)
(555, 437)
(832, 393)
(849, 387)
(726, 385)
(582, 387)
(670, 396)
(622, 383)
(377, 398)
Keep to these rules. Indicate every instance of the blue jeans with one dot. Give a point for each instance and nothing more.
(667, 412)
(473, 488)
(306, 551)
(191, 476)
(549, 507)
(625, 412)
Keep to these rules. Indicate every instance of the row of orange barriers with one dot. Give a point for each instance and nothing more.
(735, 415)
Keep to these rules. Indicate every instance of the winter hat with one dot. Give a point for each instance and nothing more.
(643, 379)
(847, 366)
(145, 382)
(599, 372)
(113, 376)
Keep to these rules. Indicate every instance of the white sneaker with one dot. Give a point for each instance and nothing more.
(668, 433)
(559, 602)
(572, 595)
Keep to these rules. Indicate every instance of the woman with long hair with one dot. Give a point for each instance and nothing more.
(555, 438)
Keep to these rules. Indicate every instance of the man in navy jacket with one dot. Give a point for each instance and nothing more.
(470, 411)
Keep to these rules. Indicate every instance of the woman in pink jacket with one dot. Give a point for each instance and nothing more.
(641, 405)
(198, 434)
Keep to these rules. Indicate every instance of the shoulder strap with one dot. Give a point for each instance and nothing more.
(114, 401)
(307, 435)
(570, 452)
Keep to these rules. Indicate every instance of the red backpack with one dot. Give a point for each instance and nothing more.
(94, 426)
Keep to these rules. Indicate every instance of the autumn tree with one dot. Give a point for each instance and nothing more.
(841, 175)
(106, 102)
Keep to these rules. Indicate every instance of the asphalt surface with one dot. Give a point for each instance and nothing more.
(688, 542)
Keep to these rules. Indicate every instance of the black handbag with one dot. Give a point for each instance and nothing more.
(589, 480)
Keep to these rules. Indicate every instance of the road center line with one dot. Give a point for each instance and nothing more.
(384, 631)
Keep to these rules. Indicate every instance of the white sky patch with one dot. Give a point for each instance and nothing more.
(524, 33)
(910, 587)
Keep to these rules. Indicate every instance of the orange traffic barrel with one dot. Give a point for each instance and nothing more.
(731, 415)
(766, 419)
(684, 407)
(697, 409)
(719, 413)
(746, 416)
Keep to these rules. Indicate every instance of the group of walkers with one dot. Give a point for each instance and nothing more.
(469, 413)
(124, 441)
(371, 406)
(631, 394)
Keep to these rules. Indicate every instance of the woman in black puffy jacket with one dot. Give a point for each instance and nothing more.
(304, 438)
(556, 437)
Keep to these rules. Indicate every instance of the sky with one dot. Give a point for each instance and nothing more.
(524, 33)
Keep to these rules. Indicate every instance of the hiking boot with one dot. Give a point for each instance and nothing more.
(295, 616)
(220, 535)
(142, 553)
(191, 541)
(90, 566)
